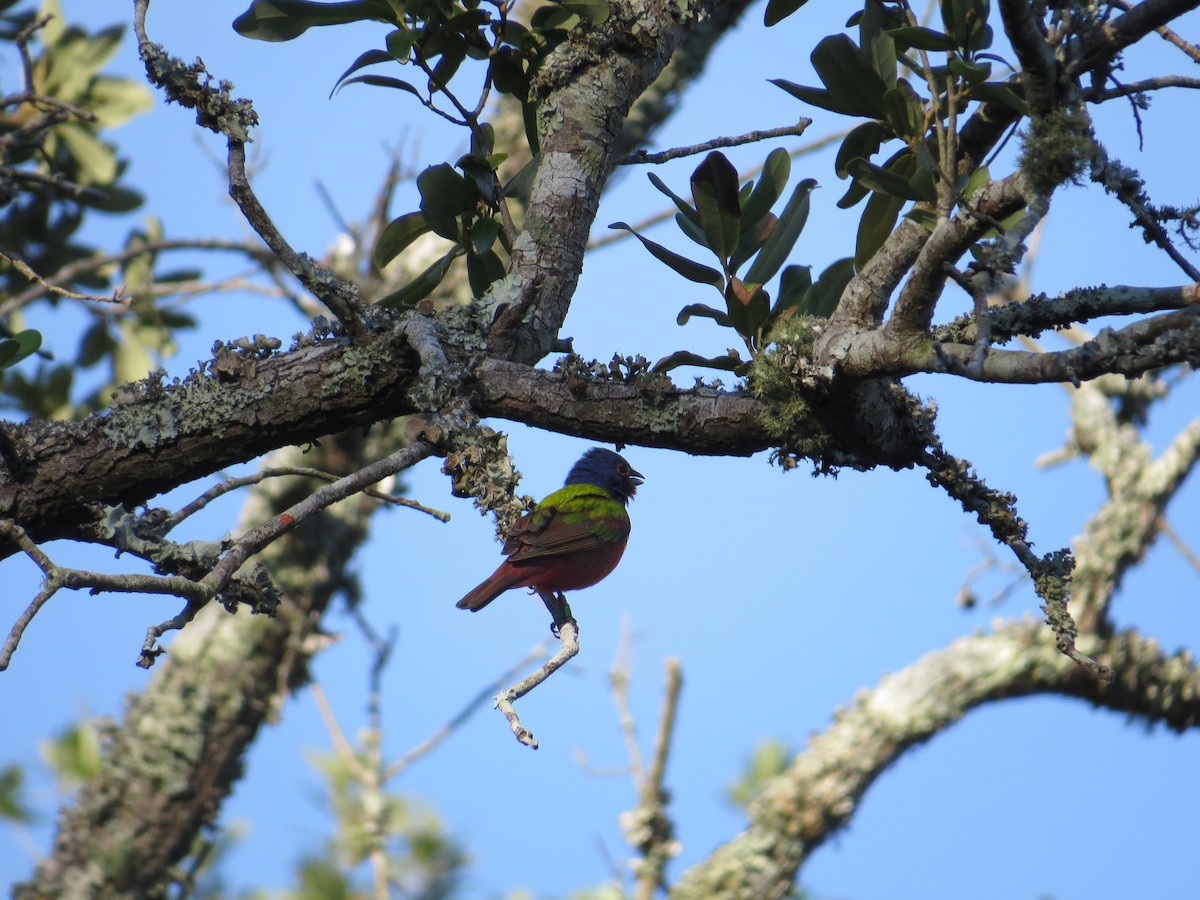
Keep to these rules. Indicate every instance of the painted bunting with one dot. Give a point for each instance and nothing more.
(570, 540)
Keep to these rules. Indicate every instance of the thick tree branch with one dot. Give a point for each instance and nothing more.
(820, 792)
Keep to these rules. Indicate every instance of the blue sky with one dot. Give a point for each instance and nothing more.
(783, 595)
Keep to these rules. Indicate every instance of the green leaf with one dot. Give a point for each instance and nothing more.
(520, 184)
(813, 96)
(689, 269)
(728, 363)
(18, 347)
(972, 73)
(863, 140)
(778, 10)
(849, 76)
(926, 218)
(380, 81)
(421, 286)
(483, 235)
(114, 101)
(877, 45)
(96, 160)
(483, 269)
(113, 198)
(794, 284)
(748, 306)
(398, 235)
(682, 205)
(595, 11)
(12, 804)
(787, 230)
(700, 309)
(692, 230)
(878, 219)
(1004, 94)
(894, 179)
(904, 111)
(284, 20)
(823, 299)
(445, 195)
(400, 42)
(776, 171)
(370, 58)
(920, 38)
(715, 192)
(979, 179)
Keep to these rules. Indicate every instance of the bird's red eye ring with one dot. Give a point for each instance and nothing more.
(622, 469)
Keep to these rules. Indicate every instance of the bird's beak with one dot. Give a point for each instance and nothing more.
(636, 477)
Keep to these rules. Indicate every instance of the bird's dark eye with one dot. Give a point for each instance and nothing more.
(622, 469)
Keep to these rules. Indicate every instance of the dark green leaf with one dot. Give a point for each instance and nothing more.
(862, 141)
(1004, 94)
(715, 193)
(904, 111)
(421, 286)
(520, 184)
(283, 20)
(483, 235)
(693, 231)
(682, 205)
(595, 11)
(370, 58)
(823, 299)
(778, 10)
(878, 219)
(687, 358)
(774, 178)
(894, 179)
(920, 38)
(481, 175)
(445, 192)
(849, 76)
(380, 81)
(689, 269)
(752, 240)
(700, 309)
(748, 306)
(112, 198)
(926, 218)
(813, 96)
(972, 73)
(794, 283)
(398, 234)
(479, 273)
(876, 43)
(787, 230)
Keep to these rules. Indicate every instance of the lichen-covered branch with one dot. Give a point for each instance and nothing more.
(820, 792)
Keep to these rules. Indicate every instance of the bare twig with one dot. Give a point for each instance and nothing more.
(642, 157)
(568, 648)
(231, 484)
(648, 828)
(487, 692)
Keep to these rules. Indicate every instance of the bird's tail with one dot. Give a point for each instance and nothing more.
(495, 585)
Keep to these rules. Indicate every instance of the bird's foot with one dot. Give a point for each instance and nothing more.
(560, 610)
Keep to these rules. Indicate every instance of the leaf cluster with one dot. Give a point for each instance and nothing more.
(735, 223)
(880, 79)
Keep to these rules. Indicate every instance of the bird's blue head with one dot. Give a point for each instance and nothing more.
(607, 470)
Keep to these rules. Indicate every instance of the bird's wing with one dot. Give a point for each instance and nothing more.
(577, 517)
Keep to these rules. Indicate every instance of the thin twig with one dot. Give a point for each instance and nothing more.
(641, 157)
(569, 647)
(231, 484)
(477, 702)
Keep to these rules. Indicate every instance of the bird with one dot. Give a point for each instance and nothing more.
(571, 540)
